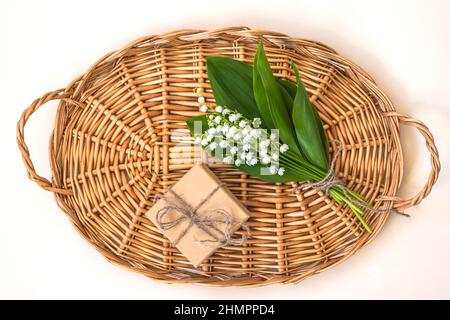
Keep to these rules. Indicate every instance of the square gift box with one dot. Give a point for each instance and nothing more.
(199, 214)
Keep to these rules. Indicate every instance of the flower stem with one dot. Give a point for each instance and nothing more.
(335, 192)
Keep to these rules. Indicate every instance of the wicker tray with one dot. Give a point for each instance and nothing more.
(120, 127)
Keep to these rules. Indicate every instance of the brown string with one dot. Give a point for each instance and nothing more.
(331, 180)
(208, 222)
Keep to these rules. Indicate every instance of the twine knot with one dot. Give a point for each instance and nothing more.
(209, 222)
(331, 180)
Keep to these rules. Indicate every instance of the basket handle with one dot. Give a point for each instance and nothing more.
(399, 203)
(41, 181)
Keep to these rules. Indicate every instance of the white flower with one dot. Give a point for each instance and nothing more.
(275, 156)
(263, 152)
(246, 147)
(273, 169)
(253, 161)
(213, 145)
(274, 137)
(238, 162)
(284, 148)
(204, 108)
(243, 156)
(242, 123)
(281, 171)
(223, 144)
(228, 160)
(232, 118)
(218, 129)
(212, 130)
(232, 130)
(201, 100)
(198, 140)
(204, 142)
(219, 109)
(237, 136)
(211, 116)
(217, 119)
(225, 129)
(247, 138)
(249, 156)
(226, 111)
(234, 150)
(264, 144)
(265, 159)
(209, 137)
(245, 132)
(256, 122)
(238, 116)
(255, 133)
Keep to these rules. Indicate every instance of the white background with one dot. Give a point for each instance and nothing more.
(404, 45)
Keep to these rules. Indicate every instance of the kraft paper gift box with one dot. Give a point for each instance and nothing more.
(198, 242)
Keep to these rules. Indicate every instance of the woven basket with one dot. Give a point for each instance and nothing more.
(120, 127)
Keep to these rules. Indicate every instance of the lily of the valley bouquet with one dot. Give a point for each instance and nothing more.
(267, 127)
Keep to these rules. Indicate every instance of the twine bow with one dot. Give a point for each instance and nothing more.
(208, 223)
(331, 180)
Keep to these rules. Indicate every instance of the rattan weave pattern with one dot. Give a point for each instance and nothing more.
(120, 139)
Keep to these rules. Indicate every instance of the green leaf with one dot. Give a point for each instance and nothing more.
(261, 99)
(287, 97)
(223, 83)
(270, 100)
(197, 122)
(323, 136)
(289, 86)
(232, 85)
(309, 128)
